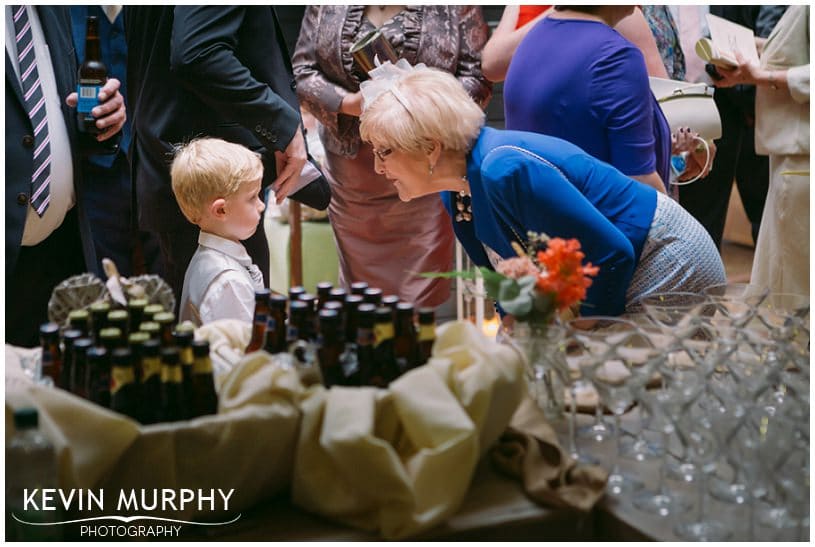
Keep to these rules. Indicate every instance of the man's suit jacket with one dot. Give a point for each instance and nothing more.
(217, 71)
(56, 26)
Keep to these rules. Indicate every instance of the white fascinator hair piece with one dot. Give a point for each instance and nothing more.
(384, 78)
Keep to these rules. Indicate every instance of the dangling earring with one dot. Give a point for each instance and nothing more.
(430, 171)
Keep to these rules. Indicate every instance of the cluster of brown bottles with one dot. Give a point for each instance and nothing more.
(353, 339)
(135, 361)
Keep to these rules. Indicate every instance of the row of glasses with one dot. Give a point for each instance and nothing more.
(722, 359)
(740, 369)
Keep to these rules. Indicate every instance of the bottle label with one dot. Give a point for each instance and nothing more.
(260, 319)
(88, 97)
(202, 365)
(120, 377)
(171, 374)
(150, 367)
(185, 356)
(292, 333)
(271, 324)
(427, 332)
(382, 332)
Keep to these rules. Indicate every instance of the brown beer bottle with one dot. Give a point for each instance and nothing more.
(98, 376)
(68, 338)
(79, 375)
(295, 292)
(365, 343)
(372, 296)
(172, 386)
(93, 74)
(134, 342)
(385, 369)
(150, 412)
(165, 320)
(51, 353)
(330, 347)
(135, 313)
(359, 288)
(124, 397)
(99, 317)
(405, 345)
(276, 324)
(80, 320)
(337, 294)
(120, 320)
(205, 400)
(323, 293)
(150, 311)
(151, 329)
(259, 320)
(110, 338)
(351, 305)
(183, 341)
(427, 333)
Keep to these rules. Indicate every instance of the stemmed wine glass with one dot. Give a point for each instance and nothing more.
(682, 383)
(677, 314)
(618, 358)
(702, 443)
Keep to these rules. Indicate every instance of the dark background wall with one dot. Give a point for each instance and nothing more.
(291, 17)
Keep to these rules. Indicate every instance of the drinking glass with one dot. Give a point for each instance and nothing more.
(702, 443)
(591, 333)
(619, 381)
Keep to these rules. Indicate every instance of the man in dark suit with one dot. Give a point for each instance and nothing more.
(217, 71)
(47, 234)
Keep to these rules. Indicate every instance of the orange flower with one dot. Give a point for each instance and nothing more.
(564, 275)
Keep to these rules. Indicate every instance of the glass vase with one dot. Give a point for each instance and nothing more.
(546, 368)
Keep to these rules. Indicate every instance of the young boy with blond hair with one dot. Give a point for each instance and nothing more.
(217, 186)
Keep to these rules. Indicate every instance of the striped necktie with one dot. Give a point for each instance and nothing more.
(35, 106)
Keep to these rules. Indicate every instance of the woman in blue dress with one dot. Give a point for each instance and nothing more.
(429, 137)
(575, 77)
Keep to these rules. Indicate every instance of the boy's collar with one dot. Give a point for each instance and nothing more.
(227, 246)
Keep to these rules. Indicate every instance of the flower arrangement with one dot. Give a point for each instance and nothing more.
(547, 277)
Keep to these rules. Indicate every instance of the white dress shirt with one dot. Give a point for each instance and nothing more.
(61, 187)
(220, 282)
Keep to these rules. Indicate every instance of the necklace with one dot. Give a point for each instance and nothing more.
(464, 204)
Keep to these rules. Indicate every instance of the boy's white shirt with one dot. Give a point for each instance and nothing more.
(229, 292)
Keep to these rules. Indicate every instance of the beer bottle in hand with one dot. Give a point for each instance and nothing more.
(92, 75)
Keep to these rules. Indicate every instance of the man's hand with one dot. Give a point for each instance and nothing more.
(289, 165)
(110, 114)
(352, 104)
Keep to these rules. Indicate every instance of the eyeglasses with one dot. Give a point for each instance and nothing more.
(382, 154)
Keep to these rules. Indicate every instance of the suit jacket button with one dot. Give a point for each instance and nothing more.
(258, 128)
(28, 141)
(22, 198)
(273, 137)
